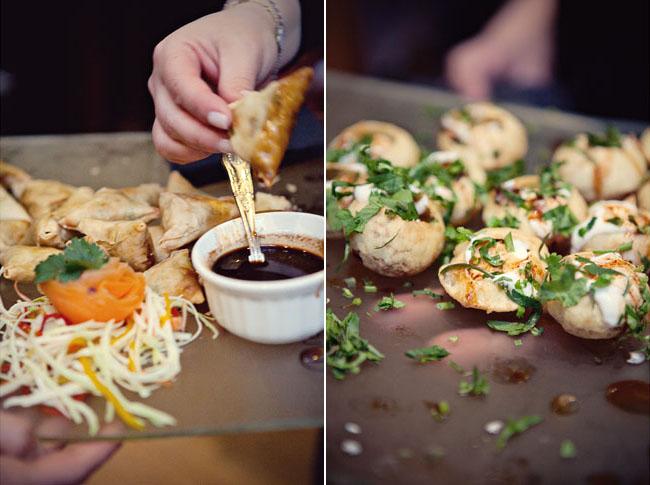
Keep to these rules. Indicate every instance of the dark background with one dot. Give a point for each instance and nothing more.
(601, 64)
(75, 66)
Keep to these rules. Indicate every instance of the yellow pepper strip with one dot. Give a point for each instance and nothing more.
(129, 326)
(128, 418)
(76, 344)
(131, 360)
(167, 317)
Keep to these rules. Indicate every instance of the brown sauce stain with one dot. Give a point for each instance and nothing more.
(512, 371)
(631, 396)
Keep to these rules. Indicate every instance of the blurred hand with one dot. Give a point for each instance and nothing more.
(516, 46)
(24, 461)
(199, 69)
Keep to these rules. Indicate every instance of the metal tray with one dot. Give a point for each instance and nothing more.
(400, 441)
(227, 385)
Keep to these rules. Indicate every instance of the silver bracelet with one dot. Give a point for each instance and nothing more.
(272, 8)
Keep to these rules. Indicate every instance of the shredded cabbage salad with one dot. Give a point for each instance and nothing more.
(46, 361)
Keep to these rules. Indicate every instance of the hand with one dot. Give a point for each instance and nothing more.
(24, 461)
(199, 69)
(516, 46)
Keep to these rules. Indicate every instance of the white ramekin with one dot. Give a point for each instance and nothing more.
(271, 312)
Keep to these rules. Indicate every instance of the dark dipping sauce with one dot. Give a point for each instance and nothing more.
(281, 263)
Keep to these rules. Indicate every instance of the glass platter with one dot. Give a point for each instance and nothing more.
(227, 385)
(401, 442)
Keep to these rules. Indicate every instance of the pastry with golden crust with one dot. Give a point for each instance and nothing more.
(262, 122)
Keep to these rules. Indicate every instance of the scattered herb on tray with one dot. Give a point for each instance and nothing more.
(389, 303)
(476, 386)
(445, 305)
(346, 349)
(427, 354)
(516, 426)
(428, 292)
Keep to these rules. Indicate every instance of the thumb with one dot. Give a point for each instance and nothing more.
(238, 73)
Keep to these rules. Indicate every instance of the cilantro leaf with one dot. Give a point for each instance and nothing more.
(506, 221)
(77, 257)
(511, 328)
(611, 138)
(516, 426)
(389, 303)
(500, 175)
(428, 292)
(453, 237)
(346, 349)
(476, 386)
(562, 219)
(427, 354)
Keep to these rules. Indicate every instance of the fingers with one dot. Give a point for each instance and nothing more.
(171, 149)
(241, 74)
(469, 70)
(180, 73)
(72, 464)
(184, 128)
(16, 437)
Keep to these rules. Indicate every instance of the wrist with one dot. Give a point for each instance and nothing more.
(280, 20)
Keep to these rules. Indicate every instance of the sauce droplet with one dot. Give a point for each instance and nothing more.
(512, 371)
(565, 404)
(632, 396)
(312, 358)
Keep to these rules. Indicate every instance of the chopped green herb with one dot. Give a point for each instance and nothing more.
(617, 221)
(562, 219)
(585, 229)
(611, 138)
(77, 257)
(346, 350)
(356, 301)
(537, 331)
(453, 237)
(506, 221)
(369, 287)
(445, 305)
(500, 175)
(347, 293)
(439, 410)
(567, 449)
(476, 386)
(510, 245)
(428, 292)
(518, 342)
(516, 426)
(350, 282)
(456, 366)
(453, 339)
(621, 249)
(511, 328)
(427, 354)
(389, 303)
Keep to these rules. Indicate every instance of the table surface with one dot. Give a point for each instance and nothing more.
(401, 442)
(227, 385)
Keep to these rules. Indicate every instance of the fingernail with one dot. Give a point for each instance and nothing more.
(224, 146)
(218, 120)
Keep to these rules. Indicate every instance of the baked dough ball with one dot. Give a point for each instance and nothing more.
(612, 224)
(392, 246)
(602, 172)
(643, 196)
(600, 314)
(386, 140)
(452, 182)
(538, 211)
(514, 268)
(645, 144)
(487, 132)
